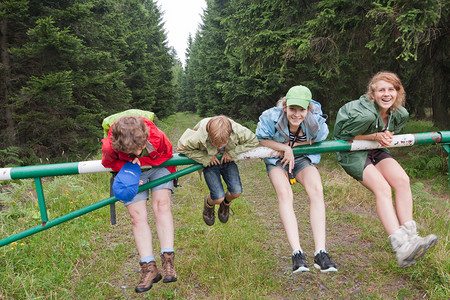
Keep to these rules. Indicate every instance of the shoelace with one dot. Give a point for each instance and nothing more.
(232, 211)
(324, 258)
(146, 273)
(170, 266)
(300, 255)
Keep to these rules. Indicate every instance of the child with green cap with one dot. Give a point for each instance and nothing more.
(297, 120)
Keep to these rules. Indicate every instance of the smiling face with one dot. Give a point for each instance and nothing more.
(295, 115)
(386, 90)
(384, 95)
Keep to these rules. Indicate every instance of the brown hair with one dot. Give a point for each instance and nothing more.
(129, 133)
(219, 130)
(394, 80)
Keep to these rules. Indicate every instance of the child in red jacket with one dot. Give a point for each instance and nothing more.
(137, 140)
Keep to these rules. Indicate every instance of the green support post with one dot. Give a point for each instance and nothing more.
(447, 148)
(39, 171)
(41, 200)
(446, 145)
(92, 207)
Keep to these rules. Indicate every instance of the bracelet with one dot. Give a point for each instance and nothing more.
(376, 135)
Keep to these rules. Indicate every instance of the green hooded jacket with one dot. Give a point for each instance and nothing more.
(361, 117)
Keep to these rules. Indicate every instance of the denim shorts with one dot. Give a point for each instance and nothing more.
(151, 175)
(301, 162)
(230, 174)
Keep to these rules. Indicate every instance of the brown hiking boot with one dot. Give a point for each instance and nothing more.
(150, 275)
(224, 211)
(167, 260)
(208, 212)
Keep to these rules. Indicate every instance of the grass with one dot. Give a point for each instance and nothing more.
(247, 258)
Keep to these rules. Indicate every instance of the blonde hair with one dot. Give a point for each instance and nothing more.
(394, 80)
(219, 130)
(282, 101)
(129, 133)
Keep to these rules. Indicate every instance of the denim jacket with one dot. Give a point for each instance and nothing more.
(273, 125)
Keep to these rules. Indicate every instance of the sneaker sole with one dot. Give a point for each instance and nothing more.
(301, 269)
(411, 259)
(421, 252)
(170, 279)
(330, 269)
(432, 243)
(407, 264)
(155, 280)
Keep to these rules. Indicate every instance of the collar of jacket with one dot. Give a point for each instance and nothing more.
(310, 126)
(373, 107)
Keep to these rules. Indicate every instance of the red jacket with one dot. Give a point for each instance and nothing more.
(115, 160)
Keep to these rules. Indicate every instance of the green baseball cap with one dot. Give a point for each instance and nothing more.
(298, 95)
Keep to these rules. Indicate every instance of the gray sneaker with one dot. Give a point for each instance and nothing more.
(406, 250)
(414, 238)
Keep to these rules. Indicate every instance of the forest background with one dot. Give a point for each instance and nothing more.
(65, 65)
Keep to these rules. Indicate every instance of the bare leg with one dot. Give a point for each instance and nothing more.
(310, 179)
(229, 196)
(377, 184)
(399, 181)
(163, 217)
(141, 229)
(286, 206)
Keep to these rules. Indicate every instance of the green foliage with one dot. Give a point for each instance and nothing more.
(249, 53)
(416, 24)
(10, 157)
(13, 9)
(425, 164)
(422, 161)
(17, 156)
(417, 30)
(414, 126)
(69, 64)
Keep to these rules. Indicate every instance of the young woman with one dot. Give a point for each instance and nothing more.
(377, 116)
(297, 120)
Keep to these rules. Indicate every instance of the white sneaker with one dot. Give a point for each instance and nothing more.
(406, 250)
